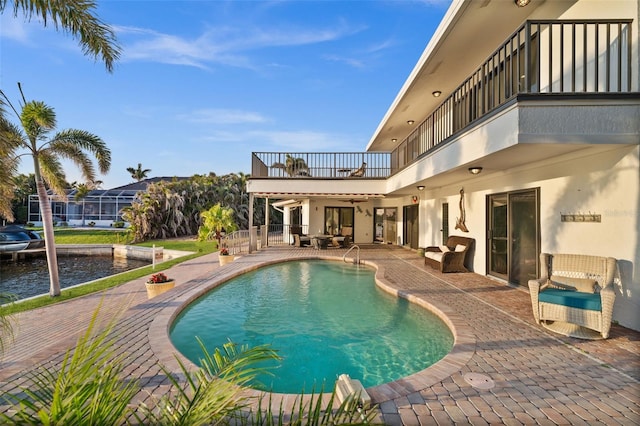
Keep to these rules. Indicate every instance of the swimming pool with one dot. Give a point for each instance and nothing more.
(325, 318)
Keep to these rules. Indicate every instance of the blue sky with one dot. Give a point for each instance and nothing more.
(202, 84)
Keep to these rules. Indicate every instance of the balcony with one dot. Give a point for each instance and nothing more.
(321, 165)
(541, 60)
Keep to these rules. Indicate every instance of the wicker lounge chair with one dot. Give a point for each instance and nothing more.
(574, 292)
(300, 239)
(451, 257)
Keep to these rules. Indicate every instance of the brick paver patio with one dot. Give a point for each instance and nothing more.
(504, 369)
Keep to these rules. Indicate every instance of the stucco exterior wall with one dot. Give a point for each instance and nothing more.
(606, 183)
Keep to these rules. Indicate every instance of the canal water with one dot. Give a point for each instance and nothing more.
(30, 277)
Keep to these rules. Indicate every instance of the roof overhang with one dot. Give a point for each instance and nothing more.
(469, 33)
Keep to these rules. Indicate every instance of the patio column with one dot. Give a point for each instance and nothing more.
(250, 221)
(266, 219)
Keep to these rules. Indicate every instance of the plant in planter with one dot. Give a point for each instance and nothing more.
(215, 221)
(158, 284)
(225, 257)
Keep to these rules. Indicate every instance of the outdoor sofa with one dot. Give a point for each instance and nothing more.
(574, 291)
(451, 257)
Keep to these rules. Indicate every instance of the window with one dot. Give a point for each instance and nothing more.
(335, 218)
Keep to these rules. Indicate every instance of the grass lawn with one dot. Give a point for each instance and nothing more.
(91, 236)
(102, 236)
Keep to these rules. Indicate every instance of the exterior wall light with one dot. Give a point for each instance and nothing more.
(522, 3)
(475, 170)
(420, 187)
(436, 94)
(410, 122)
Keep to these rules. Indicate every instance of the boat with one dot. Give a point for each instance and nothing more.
(17, 238)
(6, 246)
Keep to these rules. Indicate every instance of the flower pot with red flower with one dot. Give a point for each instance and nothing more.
(225, 257)
(158, 284)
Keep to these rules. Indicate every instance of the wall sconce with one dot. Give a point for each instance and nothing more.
(394, 140)
(522, 3)
(436, 94)
(475, 170)
(410, 122)
(420, 187)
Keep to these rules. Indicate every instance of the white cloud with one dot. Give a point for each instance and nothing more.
(223, 116)
(17, 28)
(289, 140)
(224, 45)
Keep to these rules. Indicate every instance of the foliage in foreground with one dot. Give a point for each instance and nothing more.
(90, 388)
(87, 388)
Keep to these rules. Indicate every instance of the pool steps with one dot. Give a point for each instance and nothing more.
(346, 386)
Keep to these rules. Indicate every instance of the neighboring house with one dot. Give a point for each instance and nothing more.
(518, 127)
(100, 206)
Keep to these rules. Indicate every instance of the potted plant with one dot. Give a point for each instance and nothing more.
(215, 221)
(158, 284)
(225, 257)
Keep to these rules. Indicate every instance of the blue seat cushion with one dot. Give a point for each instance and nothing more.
(572, 299)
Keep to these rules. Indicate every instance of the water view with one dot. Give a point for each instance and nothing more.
(30, 277)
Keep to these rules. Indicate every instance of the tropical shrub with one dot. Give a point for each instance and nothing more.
(173, 209)
(90, 387)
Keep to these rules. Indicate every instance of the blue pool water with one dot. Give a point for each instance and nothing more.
(324, 319)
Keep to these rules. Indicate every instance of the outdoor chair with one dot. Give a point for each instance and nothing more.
(451, 257)
(575, 294)
(360, 171)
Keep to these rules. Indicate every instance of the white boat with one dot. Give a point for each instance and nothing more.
(13, 245)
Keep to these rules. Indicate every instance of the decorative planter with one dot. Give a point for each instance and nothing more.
(155, 289)
(226, 259)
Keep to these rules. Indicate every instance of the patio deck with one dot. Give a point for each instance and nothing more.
(536, 377)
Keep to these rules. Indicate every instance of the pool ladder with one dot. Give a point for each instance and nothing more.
(357, 259)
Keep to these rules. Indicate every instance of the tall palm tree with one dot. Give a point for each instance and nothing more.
(139, 173)
(82, 192)
(37, 120)
(76, 17)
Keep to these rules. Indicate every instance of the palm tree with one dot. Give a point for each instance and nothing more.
(139, 173)
(214, 221)
(82, 191)
(293, 166)
(37, 120)
(76, 17)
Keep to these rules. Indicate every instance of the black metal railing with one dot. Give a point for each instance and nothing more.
(321, 165)
(541, 57)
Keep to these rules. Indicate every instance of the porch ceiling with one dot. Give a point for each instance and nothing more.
(519, 156)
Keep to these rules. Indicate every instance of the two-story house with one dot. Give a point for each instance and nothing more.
(519, 127)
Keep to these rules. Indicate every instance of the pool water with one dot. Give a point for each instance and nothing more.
(324, 318)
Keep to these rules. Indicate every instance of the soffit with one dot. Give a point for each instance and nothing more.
(470, 32)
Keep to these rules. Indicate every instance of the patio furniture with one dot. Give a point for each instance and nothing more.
(574, 295)
(359, 172)
(320, 241)
(450, 257)
(300, 239)
(344, 238)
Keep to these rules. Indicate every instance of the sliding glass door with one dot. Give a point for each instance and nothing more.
(514, 235)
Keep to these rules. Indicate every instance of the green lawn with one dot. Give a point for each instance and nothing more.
(90, 236)
(102, 236)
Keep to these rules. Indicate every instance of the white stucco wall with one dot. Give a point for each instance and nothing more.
(605, 183)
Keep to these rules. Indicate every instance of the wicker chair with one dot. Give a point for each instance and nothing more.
(451, 258)
(574, 292)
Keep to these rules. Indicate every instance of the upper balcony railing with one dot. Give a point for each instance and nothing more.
(323, 165)
(539, 58)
